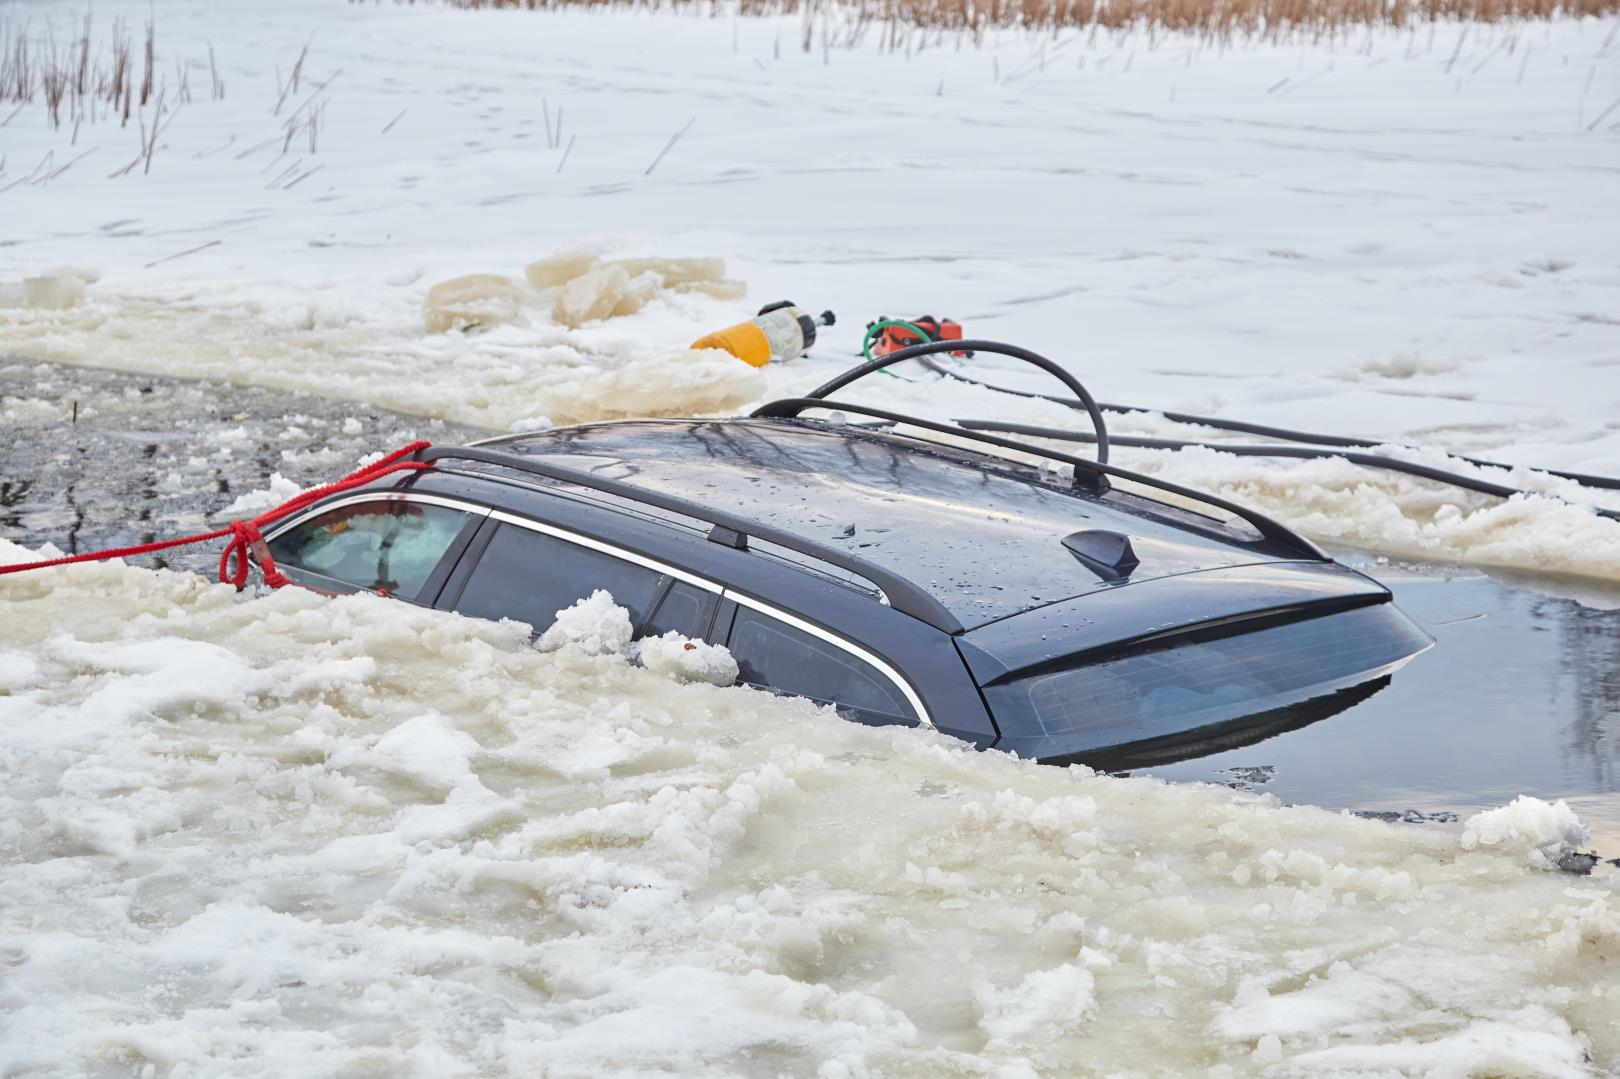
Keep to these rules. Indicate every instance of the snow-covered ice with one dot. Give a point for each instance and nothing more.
(300, 835)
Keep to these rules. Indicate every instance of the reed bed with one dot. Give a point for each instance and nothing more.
(77, 76)
(1220, 19)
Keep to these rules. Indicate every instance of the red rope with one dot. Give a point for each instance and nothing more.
(246, 535)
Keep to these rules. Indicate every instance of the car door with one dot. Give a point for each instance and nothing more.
(528, 572)
(399, 546)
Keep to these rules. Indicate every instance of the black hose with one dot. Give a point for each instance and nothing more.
(1371, 460)
(1083, 399)
(1607, 483)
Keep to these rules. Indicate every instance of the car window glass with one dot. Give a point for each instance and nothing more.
(530, 576)
(773, 655)
(686, 609)
(385, 546)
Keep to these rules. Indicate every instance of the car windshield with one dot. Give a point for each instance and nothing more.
(1191, 683)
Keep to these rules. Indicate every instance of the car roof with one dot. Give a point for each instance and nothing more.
(981, 534)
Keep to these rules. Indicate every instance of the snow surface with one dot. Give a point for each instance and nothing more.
(1406, 235)
(301, 835)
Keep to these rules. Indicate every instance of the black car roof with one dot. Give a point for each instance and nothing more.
(973, 531)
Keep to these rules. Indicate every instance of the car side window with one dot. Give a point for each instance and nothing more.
(686, 609)
(390, 546)
(530, 576)
(773, 655)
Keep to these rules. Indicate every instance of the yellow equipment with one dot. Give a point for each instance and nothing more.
(779, 332)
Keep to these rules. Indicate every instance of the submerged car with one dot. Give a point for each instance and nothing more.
(902, 570)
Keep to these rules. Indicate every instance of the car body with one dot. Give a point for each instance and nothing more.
(902, 578)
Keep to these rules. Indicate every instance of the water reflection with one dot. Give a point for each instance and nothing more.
(1590, 655)
(1224, 737)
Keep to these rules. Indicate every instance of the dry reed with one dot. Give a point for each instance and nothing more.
(77, 81)
(1217, 19)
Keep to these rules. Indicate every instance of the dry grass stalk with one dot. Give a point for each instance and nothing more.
(183, 254)
(151, 62)
(216, 85)
(670, 145)
(1217, 20)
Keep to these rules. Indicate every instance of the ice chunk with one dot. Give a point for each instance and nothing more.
(255, 502)
(555, 270)
(604, 292)
(1539, 830)
(17, 670)
(590, 296)
(53, 291)
(594, 625)
(1047, 1004)
(672, 272)
(588, 289)
(688, 660)
(426, 750)
(727, 289)
(531, 424)
(473, 302)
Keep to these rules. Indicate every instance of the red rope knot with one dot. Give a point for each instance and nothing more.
(233, 560)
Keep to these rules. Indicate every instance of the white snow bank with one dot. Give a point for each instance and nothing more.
(294, 835)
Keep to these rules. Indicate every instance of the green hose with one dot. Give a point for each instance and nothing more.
(877, 328)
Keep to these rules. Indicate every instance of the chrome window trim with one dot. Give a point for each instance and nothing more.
(609, 549)
(591, 543)
(378, 496)
(839, 643)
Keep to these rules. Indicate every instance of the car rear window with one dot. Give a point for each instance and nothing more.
(530, 576)
(1189, 683)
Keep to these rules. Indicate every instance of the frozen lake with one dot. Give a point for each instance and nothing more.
(292, 835)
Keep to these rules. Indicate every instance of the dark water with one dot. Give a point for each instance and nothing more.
(1520, 695)
(93, 459)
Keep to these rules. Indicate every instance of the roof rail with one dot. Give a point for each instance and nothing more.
(729, 529)
(1269, 529)
(925, 349)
